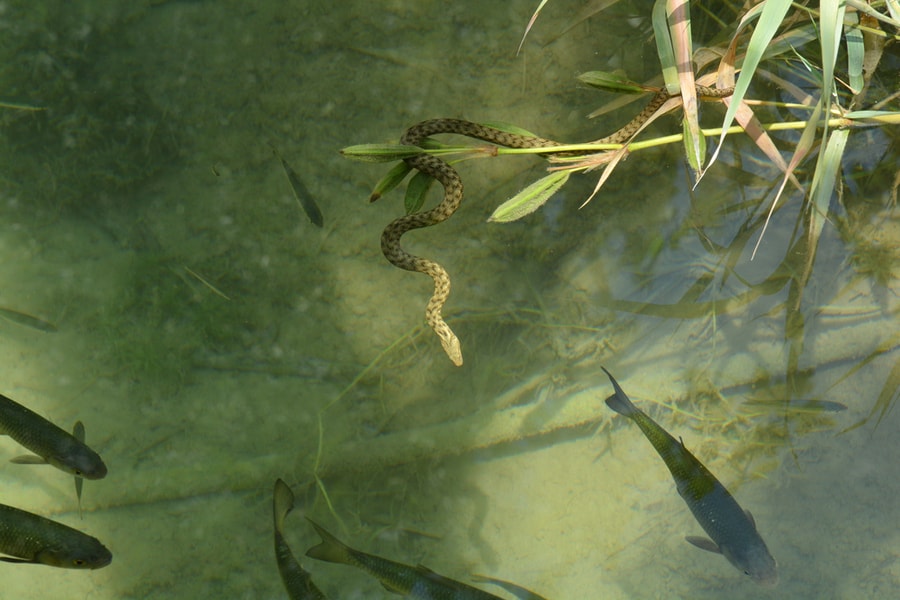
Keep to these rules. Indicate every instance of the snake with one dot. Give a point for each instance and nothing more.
(447, 176)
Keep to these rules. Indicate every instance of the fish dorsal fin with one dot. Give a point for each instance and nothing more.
(704, 543)
(29, 459)
(750, 517)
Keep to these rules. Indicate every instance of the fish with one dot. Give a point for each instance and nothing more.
(50, 444)
(732, 529)
(27, 320)
(301, 193)
(297, 580)
(406, 580)
(29, 538)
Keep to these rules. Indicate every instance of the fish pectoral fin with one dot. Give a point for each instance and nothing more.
(704, 543)
(28, 459)
(394, 589)
(10, 559)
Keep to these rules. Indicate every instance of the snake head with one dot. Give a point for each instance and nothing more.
(451, 347)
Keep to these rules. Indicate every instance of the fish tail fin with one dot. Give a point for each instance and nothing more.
(619, 401)
(282, 503)
(331, 549)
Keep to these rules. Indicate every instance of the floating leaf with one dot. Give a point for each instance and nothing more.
(530, 199)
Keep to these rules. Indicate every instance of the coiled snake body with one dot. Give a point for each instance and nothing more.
(453, 195)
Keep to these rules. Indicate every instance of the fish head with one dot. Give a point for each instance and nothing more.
(85, 552)
(755, 561)
(79, 460)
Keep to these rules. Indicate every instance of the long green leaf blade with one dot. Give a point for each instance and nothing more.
(530, 199)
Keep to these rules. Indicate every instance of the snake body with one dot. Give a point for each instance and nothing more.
(453, 194)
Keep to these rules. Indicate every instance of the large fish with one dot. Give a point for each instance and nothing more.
(296, 579)
(29, 538)
(731, 528)
(406, 580)
(50, 444)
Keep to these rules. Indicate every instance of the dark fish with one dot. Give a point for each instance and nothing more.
(301, 193)
(50, 444)
(296, 579)
(406, 580)
(29, 538)
(731, 528)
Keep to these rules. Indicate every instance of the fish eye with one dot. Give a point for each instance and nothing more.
(78, 562)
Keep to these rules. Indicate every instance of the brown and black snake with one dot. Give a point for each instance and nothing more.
(453, 195)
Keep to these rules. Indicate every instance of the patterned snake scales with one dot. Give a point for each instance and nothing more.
(453, 195)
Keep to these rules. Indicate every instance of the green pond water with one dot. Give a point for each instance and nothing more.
(212, 339)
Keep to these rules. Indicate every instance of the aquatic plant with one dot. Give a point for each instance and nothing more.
(830, 68)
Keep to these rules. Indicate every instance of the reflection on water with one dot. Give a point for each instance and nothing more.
(213, 340)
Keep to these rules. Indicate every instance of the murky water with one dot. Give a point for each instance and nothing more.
(212, 339)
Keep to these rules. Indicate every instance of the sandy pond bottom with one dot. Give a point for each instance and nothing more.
(574, 511)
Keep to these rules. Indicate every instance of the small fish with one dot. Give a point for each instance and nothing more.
(27, 320)
(731, 528)
(50, 444)
(296, 579)
(29, 538)
(301, 193)
(415, 582)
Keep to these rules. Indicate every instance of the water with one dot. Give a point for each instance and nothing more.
(212, 339)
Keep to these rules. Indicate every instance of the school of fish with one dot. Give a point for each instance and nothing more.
(30, 538)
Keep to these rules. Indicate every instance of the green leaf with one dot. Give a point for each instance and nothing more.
(695, 154)
(664, 48)
(391, 180)
(877, 117)
(415, 192)
(770, 15)
(380, 152)
(855, 55)
(611, 82)
(530, 199)
(825, 178)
